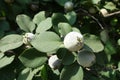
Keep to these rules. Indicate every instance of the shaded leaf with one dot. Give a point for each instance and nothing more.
(4, 61)
(33, 58)
(61, 2)
(71, 17)
(109, 48)
(58, 17)
(86, 58)
(72, 72)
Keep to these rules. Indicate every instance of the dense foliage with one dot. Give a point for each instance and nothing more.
(36, 42)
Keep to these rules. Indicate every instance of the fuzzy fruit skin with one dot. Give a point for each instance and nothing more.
(73, 41)
(54, 62)
(103, 12)
(68, 6)
(28, 37)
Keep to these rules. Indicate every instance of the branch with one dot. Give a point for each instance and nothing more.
(111, 14)
(95, 19)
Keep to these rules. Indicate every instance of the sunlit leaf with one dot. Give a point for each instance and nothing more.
(46, 42)
(64, 28)
(44, 25)
(25, 23)
(10, 42)
(93, 42)
(39, 17)
(111, 6)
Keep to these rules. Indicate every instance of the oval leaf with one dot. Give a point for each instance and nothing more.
(4, 61)
(93, 42)
(33, 58)
(10, 42)
(64, 28)
(39, 17)
(66, 56)
(25, 23)
(72, 72)
(71, 17)
(58, 17)
(46, 42)
(86, 58)
(44, 25)
(61, 2)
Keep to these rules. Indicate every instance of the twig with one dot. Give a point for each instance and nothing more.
(95, 19)
(111, 14)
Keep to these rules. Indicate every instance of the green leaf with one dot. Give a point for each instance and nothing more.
(33, 58)
(95, 1)
(119, 66)
(64, 28)
(44, 73)
(86, 58)
(104, 36)
(27, 74)
(1, 55)
(4, 61)
(118, 41)
(76, 29)
(24, 74)
(7, 73)
(4, 25)
(66, 56)
(61, 2)
(109, 48)
(72, 72)
(25, 23)
(69, 58)
(111, 6)
(46, 42)
(71, 17)
(58, 17)
(39, 17)
(10, 42)
(44, 25)
(93, 42)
